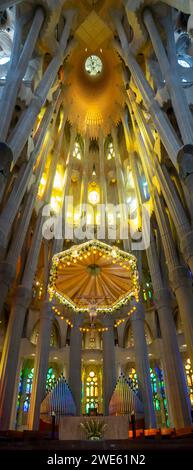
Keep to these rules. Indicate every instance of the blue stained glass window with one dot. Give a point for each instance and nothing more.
(25, 386)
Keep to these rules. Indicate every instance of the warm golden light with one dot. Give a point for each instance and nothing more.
(94, 197)
(58, 181)
(55, 203)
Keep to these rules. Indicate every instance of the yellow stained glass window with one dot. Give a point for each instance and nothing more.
(189, 376)
(92, 391)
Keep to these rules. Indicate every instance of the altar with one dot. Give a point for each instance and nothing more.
(70, 427)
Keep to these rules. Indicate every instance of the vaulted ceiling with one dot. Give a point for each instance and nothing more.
(94, 101)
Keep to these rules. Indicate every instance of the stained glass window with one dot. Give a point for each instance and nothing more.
(25, 386)
(134, 380)
(77, 151)
(92, 391)
(147, 292)
(189, 376)
(185, 61)
(154, 390)
(110, 151)
(158, 389)
(51, 379)
(160, 378)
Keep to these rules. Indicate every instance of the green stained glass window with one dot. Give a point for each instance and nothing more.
(25, 387)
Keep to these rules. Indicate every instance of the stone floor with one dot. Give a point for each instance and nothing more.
(37, 454)
(147, 444)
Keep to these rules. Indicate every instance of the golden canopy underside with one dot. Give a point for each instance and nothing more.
(95, 277)
(96, 100)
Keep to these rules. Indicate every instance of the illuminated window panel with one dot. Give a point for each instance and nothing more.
(189, 376)
(146, 190)
(51, 379)
(25, 387)
(148, 292)
(110, 151)
(134, 380)
(93, 65)
(186, 61)
(94, 197)
(77, 151)
(156, 382)
(91, 392)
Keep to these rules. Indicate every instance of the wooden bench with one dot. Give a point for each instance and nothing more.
(167, 433)
(184, 432)
(139, 433)
(151, 433)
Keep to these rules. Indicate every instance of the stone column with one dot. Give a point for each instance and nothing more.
(103, 186)
(11, 208)
(58, 243)
(162, 124)
(9, 360)
(143, 152)
(176, 388)
(46, 319)
(177, 213)
(109, 363)
(22, 130)
(84, 185)
(103, 229)
(40, 365)
(75, 366)
(184, 230)
(178, 393)
(170, 73)
(127, 131)
(13, 420)
(69, 163)
(16, 73)
(173, 81)
(20, 305)
(140, 119)
(142, 365)
(124, 213)
(179, 275)
(9, 3)
(19, 309)
(8, 267)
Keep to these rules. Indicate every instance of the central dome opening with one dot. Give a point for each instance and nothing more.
(93, 65)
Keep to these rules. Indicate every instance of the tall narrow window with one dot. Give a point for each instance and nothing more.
(91, 392)
(189, 376)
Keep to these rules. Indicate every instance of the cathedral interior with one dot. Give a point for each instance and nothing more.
(96, 306)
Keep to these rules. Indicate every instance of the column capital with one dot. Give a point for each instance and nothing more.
(138, 314)
(162, 298)
(185, 161)
(6, 158)
(187, 245)
(22, 296)
(46, 311)
(108, 321)
(78, 320)
(179, 277)
(7, 272)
